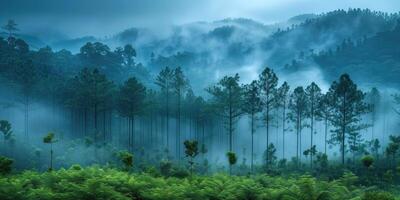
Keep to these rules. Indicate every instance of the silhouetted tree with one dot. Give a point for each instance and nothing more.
(5, 165)
(130, 103)
(310, 152)
(298, 111)
(268, 83)
(127, 159)
(348, 106)
(49, 139)
(191, 151)
(367, 161)
(232, 159)
(5, 129)
(313, 94)
(26, 77)
(180, 84)
(227, 98)
(374, 146)
(252, 105)
(270, 155)
(128, 54)
(165, 81)
(373, 98)
(392, 149)
(282, 101)
(325, 109)
(95, 55)
(10, 27)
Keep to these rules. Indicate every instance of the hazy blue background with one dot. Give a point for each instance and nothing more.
(105, 17)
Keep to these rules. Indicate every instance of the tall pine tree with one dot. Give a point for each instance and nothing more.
(268, 82)
(348, 108)
(252, 106)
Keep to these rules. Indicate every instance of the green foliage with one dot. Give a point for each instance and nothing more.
(191, 148)
(270, 155)
(367, 161)
(191, 151)
(377, 195)
(5, 128)
(98, 183)
(348, 179)
(5, 165)
(310, 152)
(227, 101)
(76, 167)
(298, 109)
(232, 159)
(131, 97)
(49, 138)
(165, 167)
(348, 108)
(321, 162)
(126, 158)
(168, 169)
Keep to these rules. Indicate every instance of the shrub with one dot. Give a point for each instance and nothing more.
(127, 159)
(5, 165)
(367, 161)
(165, 167)
(76, 167)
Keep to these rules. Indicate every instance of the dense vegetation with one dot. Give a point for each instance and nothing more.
(150, 136)
(355, 56)
(96, 183)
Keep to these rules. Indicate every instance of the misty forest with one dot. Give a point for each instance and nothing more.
(307, 108)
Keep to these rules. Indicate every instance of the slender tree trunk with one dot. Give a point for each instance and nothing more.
(51, 156)
(343, 128)
(104, 126)
(230, 128)
(297, 137)
(230, 122)
(5, 145)
(267, 127)
(111, 125)
(312, 132)
(95, 131)
(300, 139)
(151, 130)
(95, 120)
(27, 120)
(203, 139)
(167, 120)
(85, 121)
(252, 141)
(283, 129)
(326, 133)
(133, 133)
(178, 127)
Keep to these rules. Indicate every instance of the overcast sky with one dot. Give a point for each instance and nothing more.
(105, 17)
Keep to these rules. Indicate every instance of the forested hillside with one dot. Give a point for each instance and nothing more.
(244, 44)
(373, 60)
(209, 110)
(326, 32)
